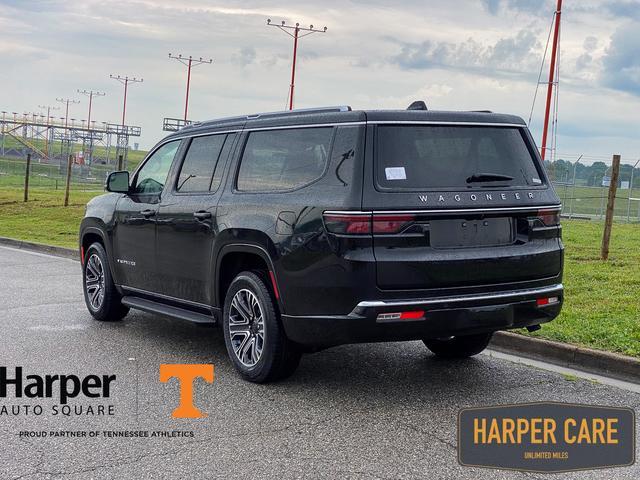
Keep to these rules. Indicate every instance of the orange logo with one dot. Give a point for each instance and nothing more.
(186, 374)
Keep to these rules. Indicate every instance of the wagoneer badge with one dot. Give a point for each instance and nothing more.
(474, 197)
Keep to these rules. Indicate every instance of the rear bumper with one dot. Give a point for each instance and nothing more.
(443, 317)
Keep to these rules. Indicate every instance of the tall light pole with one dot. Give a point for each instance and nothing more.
(189, 62)
(296, 35)
(125, 81)
(552, 70)
(90, 94)
(49, 108)
(66, 101)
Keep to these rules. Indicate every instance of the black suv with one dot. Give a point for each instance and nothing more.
(302, 230)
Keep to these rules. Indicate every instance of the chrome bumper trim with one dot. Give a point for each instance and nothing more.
(463, 298)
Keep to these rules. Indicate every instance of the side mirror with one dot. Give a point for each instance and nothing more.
(118, 182)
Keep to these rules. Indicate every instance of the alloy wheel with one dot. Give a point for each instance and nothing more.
(246, 327)
(94, 281)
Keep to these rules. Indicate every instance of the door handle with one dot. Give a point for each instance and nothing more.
(148, 213)
(202, 215)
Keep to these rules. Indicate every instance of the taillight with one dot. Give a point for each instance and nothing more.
(551, 218)
(386, 223)
(543, 302)
(396, 316)
(366, 223)
(347, 224)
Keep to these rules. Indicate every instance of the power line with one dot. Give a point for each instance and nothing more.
(125, 81)
(296, 35)
(189, 62)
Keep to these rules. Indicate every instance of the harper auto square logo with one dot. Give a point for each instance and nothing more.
(65, 394)
(475, 197)
(186, 374)
(546, 437)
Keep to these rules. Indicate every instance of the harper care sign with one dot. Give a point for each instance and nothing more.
(546, 437)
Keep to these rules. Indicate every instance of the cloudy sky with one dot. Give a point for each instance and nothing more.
(466, 54)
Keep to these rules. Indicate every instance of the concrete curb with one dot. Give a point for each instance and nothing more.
(607, 364)
(40, 248)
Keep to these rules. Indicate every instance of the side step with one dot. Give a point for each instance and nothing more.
(169, 310)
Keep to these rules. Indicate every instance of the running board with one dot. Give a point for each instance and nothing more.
(169, 310)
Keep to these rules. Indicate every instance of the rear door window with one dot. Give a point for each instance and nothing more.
(281, 160)
(439, 157)
(200, 163)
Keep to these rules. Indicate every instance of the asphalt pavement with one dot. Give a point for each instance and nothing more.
(381, 411)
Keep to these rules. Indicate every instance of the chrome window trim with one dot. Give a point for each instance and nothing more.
(445, 123)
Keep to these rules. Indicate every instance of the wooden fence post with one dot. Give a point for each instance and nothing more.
(66, 191)
(26, 178)
(613, 187)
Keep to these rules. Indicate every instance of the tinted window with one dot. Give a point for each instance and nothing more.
(419, 157)
(277, 160)
(200, 163)
(152, 176)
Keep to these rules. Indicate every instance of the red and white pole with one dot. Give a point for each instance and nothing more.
(124, 105)
(293, 66)
(552, 70)
(186, 100)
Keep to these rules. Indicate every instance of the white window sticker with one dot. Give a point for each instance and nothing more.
(395, 173)
(537, 181)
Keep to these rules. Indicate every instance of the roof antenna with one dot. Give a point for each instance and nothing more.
(418, 105)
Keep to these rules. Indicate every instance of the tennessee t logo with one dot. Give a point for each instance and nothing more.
(186, 374)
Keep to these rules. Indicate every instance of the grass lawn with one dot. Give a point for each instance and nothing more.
(602, 299)
(602, 304)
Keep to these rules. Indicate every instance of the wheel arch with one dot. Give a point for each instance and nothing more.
(237, 257)
(90, 232)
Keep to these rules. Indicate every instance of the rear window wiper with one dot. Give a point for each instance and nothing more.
(488, 177)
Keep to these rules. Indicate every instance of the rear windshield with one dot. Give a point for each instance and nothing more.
(439, 156)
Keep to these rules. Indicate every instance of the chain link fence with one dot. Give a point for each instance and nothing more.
(52, 176)
(583, 187)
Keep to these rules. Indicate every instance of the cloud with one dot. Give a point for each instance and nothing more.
(536, 7)
(585, 60)
(624, 8)
(513, 54)
(622, 60)
(246, 56)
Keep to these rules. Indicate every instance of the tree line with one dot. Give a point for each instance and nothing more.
(590, 175)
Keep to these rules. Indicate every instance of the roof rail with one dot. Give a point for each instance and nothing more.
(283, 113)
(301, 111)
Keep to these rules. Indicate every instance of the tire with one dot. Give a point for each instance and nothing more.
(100, 293)
(259, 350)
(463, 346)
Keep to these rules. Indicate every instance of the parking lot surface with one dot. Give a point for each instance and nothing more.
(381, 411)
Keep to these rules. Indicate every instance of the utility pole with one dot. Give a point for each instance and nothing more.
(552, 70)
(49, 108)
(296, 36)
(189, 62)
(125, 81)
(90, 94)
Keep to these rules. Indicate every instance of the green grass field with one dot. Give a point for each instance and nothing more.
(602, 305)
